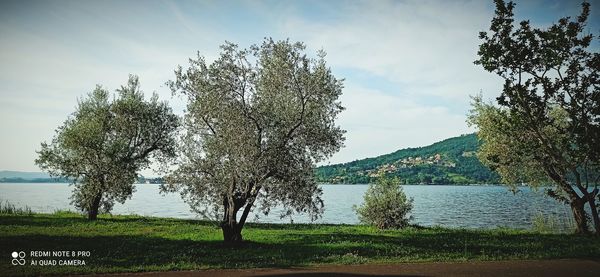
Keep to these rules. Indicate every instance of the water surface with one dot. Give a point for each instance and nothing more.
(449, 206)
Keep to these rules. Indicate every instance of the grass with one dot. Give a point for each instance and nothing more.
(8, 208)
(135, 243)
(542, 223)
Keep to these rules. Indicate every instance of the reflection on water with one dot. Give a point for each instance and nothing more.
(450, 206)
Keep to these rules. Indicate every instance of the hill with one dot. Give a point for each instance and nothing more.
(7, 176)
(451, 161)
(23, 175)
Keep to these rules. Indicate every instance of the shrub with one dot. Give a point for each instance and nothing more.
(385, 205)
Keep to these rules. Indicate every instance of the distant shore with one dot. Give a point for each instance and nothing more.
(51, 180)
(66, 180)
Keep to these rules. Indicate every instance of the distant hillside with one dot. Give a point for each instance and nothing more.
(28, 177)
(23, 175)
(41, 177)
(451, 161)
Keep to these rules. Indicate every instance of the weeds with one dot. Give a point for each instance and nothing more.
(8, 208)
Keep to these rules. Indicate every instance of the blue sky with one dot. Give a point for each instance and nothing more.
(408, 65)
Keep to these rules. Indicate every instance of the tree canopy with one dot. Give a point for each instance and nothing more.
(257, 121)
(105, 142)
(546, 127)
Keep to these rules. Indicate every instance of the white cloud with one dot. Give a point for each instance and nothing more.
(423, 50)
(426, 47)
(42, 78)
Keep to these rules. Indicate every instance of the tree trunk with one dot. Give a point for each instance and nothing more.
(576, 202)
(577, 206)
(232, 230)
(595, 218)
(93, 210)
(231, 233)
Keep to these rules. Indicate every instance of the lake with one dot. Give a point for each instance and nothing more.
(448, 206)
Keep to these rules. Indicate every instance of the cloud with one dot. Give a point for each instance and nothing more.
(41, 79)
(418, 58)
(426, 48)
(408, 64)
(424, 52)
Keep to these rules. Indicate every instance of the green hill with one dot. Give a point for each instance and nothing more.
(23, 175)
(451, 161)
(7, 176)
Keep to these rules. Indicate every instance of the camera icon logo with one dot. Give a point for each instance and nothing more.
(18, 258)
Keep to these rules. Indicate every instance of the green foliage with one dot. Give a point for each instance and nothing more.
(516, 160)
(385, 205)
(147, 244)
(458, 165)
(258, 120)
(546, 128)
(104, 143)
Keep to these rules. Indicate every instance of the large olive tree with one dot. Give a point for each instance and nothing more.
(105, 142)
(257, 121)
(546, 127)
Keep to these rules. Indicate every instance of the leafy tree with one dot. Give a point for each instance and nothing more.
(257, 121)
(105, 142)
(546, 128)
(385, 205)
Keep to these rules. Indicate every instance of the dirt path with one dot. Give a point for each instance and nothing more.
(579, 268)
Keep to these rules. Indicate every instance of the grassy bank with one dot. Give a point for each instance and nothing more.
(132, 243)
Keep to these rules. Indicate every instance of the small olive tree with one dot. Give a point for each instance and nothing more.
(257, 122)
(385, 205)
(105, 142)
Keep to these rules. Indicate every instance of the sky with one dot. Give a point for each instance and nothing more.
(408, 65)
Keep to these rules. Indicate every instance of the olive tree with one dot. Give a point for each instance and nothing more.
(546, 126)
(385, 205)
(257, 121)
(105, 142)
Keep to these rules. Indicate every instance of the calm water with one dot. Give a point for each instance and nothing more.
(450, 206)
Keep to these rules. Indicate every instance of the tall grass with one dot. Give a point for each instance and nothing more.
(544, 224)
(9, 208)
(558, 222)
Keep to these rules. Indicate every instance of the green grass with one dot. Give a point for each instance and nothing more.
(8, 208)
(134, 243)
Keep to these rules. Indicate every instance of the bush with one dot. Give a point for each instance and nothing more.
(385, 205)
